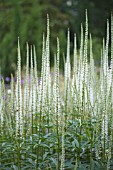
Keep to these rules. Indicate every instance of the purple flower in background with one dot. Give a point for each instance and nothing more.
(7, 79)
(22, 81)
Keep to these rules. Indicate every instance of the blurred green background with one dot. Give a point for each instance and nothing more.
(27, 19)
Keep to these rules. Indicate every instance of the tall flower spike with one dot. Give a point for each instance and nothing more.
(11, 107)
(35, 87)
(42, 91)
(26, 88)
(67, 78)
(75, 76)
(75, 57)
(107, 40)
(48, 78)
(19, 116)
(48, 48)
(91, 55)
(86, 39)
(56, 95)
(107, 69)
(80, 70)
(68, 56)
(31, 84)
(58, 52)
(81, 46)
(67, 64)
(85, 63)
(91, 81)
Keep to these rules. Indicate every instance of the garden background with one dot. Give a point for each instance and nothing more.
(27, 19)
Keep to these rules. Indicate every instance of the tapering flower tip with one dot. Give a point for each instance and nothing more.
(68, 33)
(35, 62)
(74, 35)
(107, 38)
(18, 40)
(19, 59)
(18, 49)
(68, 38)
(27, 63)
(86, 22)
(27, 45)
(58, 50)
(90, 36)
(34, 52)
(27, 48)
(47, 16)
(86, 15)
(81, 26)
(31, 57)
(57, 43)
(75, 41)
(18, 43)
(47, 24)
(75, 53)
(90, 41)
(103, 43)
(43, 50)
(68, 46)
(81, 32)
(57, 39)
(11, 76)
(108, 26)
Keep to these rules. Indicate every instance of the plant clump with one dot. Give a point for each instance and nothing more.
(42, 128)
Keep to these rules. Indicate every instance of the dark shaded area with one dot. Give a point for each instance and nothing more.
(27, 19)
